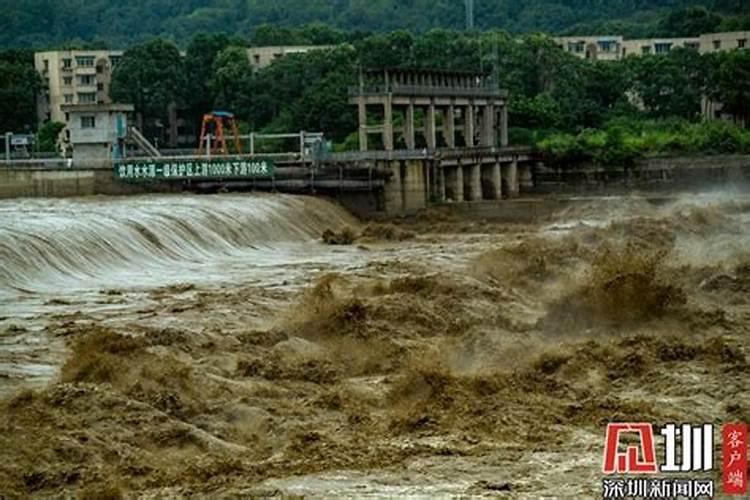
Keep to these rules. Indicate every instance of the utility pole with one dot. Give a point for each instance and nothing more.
(8, 137)
(469, 15)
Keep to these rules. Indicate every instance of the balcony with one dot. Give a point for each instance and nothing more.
(87, 88)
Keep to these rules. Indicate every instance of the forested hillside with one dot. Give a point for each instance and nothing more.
(45, 23)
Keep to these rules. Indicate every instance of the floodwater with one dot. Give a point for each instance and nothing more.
(213, 345)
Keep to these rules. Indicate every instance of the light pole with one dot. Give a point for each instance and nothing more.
(8, 138)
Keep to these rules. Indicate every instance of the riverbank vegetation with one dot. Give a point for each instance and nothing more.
(623, 142)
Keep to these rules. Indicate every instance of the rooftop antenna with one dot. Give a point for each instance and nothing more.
(469, 15)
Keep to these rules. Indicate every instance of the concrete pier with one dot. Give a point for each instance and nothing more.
(454, 180)
(474, 182)
(510, 176)
(491, 182)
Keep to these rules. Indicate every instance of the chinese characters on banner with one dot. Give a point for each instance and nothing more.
(166, 169)
(734, 447)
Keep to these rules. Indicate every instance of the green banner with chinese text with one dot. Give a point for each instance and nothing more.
(159, 169)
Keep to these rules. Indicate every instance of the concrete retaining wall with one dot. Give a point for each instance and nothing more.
(654, 174)
(35, 182)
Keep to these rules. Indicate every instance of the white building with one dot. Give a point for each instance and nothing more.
(260, 57)
(96, 131)
(597, 48)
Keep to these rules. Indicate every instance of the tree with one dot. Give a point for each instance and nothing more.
(692, 21)
(306, 91)
(393, 49)
(201, 56)
(734, 83)
(268, 35)
(19, 86)
(668, 85)
(47, 136)
(231, 81)
(540, 111)
(46, 23)
(151, 76)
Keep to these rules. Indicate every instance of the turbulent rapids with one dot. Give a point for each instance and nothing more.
(170, 346)
(51, 245)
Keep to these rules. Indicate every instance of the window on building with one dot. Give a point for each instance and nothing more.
(68, 98)
(85, 61)
(67, 63)
(646, 49)
(100, 87)
(662, 48)
(46, 65)
(717, 44)
(577, 47)
(86, 97)
(114, 60)
(607, 45)
(68, 80)
(86, 80)
(742, 43)
(257, 58)
(692, 45)
(88, 122)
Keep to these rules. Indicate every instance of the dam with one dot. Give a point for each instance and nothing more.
(451, 146)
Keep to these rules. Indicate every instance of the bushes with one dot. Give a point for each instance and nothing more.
(623, 141)
(47, 136)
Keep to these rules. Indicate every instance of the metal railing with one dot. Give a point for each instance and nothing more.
(291, 157)
(426, 90)
(303, 149)
(72, 164)
(57, 164)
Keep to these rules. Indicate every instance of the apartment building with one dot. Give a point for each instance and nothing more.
(613, 48)
(647, 46)
(260, 57)
(73, 77)
(717, 42)
(597, 48)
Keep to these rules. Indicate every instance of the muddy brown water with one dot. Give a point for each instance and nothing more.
(415, 367)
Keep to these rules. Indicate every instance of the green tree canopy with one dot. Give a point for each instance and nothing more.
(733, 83)
(43, 23)
(151, 75)
(19, 86)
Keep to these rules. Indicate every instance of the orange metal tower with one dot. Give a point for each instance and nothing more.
(218, 120)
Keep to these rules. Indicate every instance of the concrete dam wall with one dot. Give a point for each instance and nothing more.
(396, 185)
